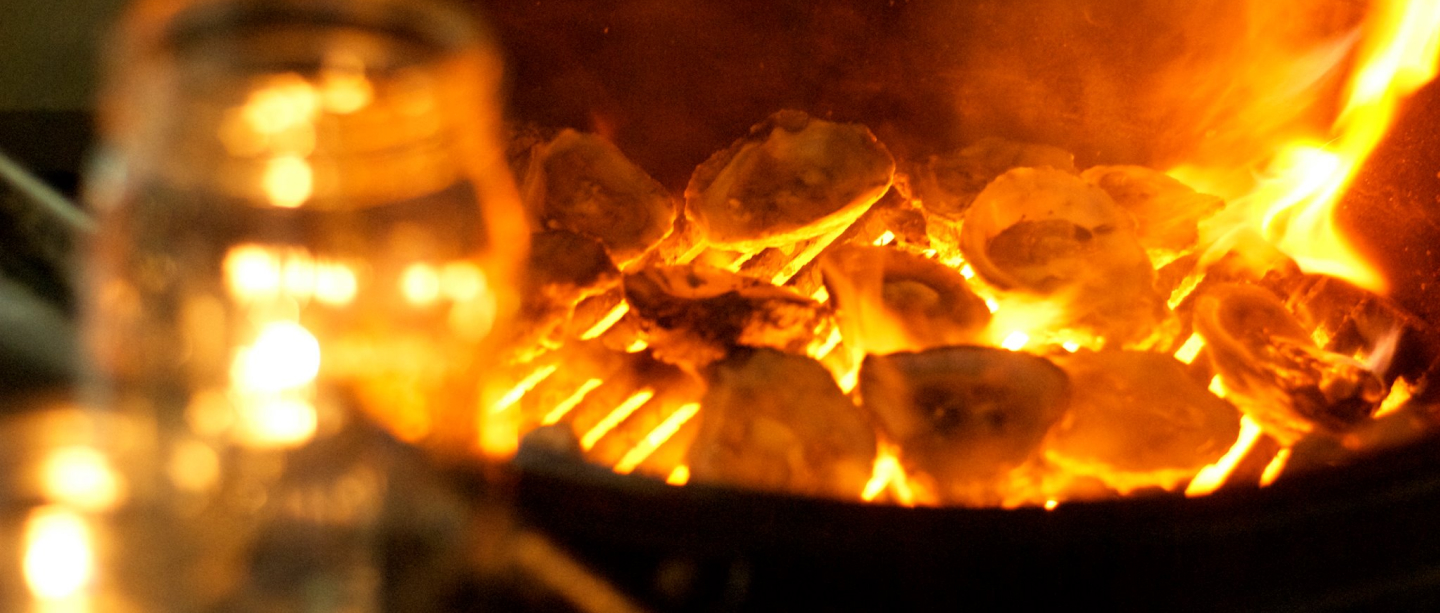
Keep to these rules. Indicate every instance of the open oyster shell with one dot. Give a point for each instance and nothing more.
(583, 183)
(1138, 419)
(778, 422)
(890, 300)
(794, 177)
(695, 314)
(1273, 370)
(963, 414)
(1044, 231)
(1167, 212)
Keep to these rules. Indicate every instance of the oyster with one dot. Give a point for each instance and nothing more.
(793, 178)
(778, 422)
(582, 183)
(1272, 369)
(1139, 419)
(890, 300)
(1167, 212)
(963, 415)
(1044, 231)
(695, 314)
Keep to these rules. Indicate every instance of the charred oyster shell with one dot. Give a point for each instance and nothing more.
(776, 421)
(794, 177)
(963, 415)
(583, 183)
(890, 300)
(1139, 419)
(1272, 369)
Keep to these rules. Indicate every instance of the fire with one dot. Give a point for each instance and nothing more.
(1213, 476)
(1292, 204)
(889, 475)
(1282, 207)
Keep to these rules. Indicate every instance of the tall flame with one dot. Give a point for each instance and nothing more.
(1292, 203)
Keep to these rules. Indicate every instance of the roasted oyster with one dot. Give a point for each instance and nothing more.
(889, 300)
(794, 177)
(581, 182)
(1138, 419)
(777, 421)
(963, 415)
(1272, 369)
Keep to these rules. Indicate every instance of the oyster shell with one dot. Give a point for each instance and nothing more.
(1139, 419)
(777, 421)
(890, 300)
(1273, 370)
(963, 415)
(794, 177)
(947, 184)
(695, 314)
(1166, 211)
(1044, 231)
(583, 183)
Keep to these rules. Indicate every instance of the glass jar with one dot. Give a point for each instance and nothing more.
(307, 227)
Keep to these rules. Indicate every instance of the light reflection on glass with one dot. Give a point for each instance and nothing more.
(81, 476)
(59, 555)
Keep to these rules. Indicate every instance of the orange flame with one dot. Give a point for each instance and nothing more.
(1293, 203)
(888, 474)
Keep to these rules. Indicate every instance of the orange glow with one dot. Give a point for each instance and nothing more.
(1213, 476)
(285, 355)
(1275, 467)
(343, 86)
(569, 403)
(523, 387)
(680, 476)
(888, 474)
(1400, 392)
(335, 284)
(252, 272)
(1187, 352)
(885, 239)
(193, 466)
(1051, 504)
(463, 281)
(81, 476)
(620, 414)
(1292, 203)
(59, 554)
(288, 181)
(1015, 341)
(656, 438)
(284, 103)
(277, 422)
(606, 322)
(420, 284)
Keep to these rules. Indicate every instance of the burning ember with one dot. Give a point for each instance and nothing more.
(989, 326)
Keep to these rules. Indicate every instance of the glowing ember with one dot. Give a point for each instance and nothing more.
(523, 387)
(888, 475)
(679, 476)
(612, 419)
(656, 438)
(1213, 476)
